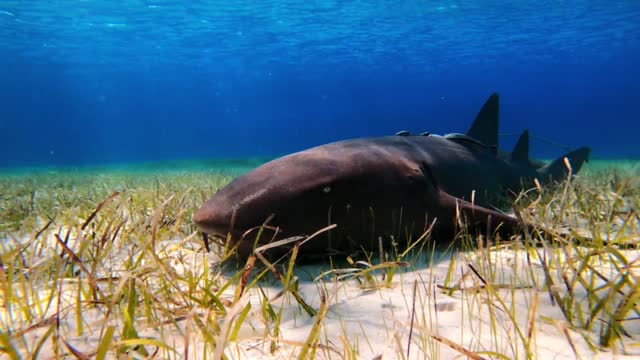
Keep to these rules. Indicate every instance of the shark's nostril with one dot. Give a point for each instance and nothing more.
(211, 220)
(207, 216)
(198, 217)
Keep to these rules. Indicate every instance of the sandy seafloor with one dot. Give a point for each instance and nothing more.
(413, 309)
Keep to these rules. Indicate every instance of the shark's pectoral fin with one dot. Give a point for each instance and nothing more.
(477, 216)
(452, 208)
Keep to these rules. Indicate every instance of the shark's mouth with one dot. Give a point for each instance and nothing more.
(243, 240)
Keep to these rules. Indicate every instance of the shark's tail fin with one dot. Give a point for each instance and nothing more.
(557, 169)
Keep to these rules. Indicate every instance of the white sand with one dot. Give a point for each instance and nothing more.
(377, 320)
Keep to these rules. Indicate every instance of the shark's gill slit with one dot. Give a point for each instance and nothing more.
(329, 233)
(229, 237)
(372, 238)
(399, 233)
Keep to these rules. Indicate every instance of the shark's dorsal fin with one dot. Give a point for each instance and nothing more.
(485, 126)
(403, 133)
(521, 150)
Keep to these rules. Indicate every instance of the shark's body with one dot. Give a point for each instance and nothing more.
(377, 187)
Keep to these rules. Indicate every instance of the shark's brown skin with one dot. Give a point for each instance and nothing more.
(374, 187)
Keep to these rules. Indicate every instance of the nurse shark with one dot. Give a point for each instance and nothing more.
(379, 188)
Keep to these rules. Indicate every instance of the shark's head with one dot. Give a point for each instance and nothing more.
(308, 190)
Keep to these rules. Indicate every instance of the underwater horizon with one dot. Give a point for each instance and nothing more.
(95, 83)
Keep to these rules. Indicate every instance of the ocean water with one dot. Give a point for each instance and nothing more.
(93, 83)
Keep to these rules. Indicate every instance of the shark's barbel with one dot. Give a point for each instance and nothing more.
(377, 187)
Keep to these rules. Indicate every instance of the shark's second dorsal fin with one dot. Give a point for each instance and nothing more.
(521, 150)
(485, 126)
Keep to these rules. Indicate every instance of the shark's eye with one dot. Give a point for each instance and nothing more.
(326, 189)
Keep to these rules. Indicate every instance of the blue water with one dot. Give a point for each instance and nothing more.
(92, 82)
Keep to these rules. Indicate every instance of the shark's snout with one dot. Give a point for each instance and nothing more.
(235, 226)
(213, 219)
